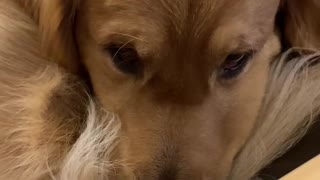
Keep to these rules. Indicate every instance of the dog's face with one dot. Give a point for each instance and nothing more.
(186, 77)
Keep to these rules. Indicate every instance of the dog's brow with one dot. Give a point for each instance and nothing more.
(127, 35)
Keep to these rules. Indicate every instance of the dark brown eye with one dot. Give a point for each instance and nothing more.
(126, 59)
(234, 65)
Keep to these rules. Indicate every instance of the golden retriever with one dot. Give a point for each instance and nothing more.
(185, 78)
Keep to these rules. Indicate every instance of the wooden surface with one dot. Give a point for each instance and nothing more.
(308, 171)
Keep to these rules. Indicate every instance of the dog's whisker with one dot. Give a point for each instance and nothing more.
(127, 35)
(124, 45)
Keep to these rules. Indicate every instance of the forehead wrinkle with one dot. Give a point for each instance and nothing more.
(175, 11)
(188, 20)
(203, 16)
(185, 16)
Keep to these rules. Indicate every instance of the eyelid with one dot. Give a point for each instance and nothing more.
(236, 57)
(233, 73)
(246, 52)
(250, 53)
(244, 46)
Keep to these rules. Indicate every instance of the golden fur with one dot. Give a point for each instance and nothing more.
(178, 120)
(43, 111)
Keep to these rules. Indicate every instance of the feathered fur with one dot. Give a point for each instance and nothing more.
(74, 140)
(291, 105)
(46, 131)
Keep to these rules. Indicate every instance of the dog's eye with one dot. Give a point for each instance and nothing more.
(126, 59)
(234, 64)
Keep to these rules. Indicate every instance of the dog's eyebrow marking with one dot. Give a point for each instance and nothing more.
(127, 35)
(129, 38)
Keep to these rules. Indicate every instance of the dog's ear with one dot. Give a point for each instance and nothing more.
(56, 21)
(301, 23)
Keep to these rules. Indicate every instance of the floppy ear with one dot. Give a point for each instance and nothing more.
(56, 19)
(301, 23)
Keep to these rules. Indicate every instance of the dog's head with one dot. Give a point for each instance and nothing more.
(186, 77)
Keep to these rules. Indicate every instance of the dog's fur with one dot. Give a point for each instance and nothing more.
(44, 126)
(46, 132)
(290, 107)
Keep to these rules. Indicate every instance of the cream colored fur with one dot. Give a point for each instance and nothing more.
(89, 157)
(291, 105)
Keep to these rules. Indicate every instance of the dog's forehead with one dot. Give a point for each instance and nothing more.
(181, 8)
(184, 13)
(189, 20)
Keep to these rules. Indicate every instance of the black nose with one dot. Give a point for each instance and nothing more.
(168, 174)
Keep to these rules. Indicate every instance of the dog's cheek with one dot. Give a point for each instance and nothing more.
(244, 102)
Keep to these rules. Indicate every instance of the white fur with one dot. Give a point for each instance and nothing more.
(89, 157)
(291, 105)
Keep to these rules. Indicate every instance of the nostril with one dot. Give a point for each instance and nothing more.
(168, 174)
